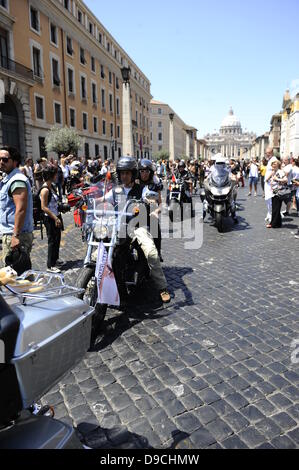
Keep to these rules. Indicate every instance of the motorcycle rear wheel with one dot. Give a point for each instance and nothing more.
(219, 222)
(86, 280)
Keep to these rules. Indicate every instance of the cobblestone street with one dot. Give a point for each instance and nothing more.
(212, 369)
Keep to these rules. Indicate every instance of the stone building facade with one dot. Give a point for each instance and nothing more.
(230, 141)
(59, 66)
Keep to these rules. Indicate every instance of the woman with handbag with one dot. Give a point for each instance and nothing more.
(279, 185)
(52, 218)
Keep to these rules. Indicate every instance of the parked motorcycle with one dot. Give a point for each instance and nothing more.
(44, 332)
(219, 193)
(126, 259)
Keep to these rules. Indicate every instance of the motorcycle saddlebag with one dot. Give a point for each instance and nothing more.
(54, 337)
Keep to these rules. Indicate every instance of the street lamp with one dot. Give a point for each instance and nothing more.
(126, 73)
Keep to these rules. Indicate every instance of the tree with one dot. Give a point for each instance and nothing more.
(162, 155)
(63, 140)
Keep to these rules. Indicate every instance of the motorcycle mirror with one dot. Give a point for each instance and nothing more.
(118, 190)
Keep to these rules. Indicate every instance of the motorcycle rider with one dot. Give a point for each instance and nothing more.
(127, 173)
(220, 166)
(150, 182)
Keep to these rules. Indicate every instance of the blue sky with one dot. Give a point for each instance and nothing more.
(203, 56)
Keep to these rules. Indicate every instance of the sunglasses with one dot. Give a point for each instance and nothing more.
(4, 159)
(144, 171)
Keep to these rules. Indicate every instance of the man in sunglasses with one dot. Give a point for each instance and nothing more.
(16, 206)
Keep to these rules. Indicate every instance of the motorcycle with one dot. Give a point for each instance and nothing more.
(44, 332)
(126, 260)
(177, 198)
(219, 196)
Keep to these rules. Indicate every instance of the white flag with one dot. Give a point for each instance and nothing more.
(107, 287)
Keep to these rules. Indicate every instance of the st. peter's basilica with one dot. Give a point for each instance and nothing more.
(231, 141)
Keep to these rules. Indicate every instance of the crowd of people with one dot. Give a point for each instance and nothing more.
(48, 180)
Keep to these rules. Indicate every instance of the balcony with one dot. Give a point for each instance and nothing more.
(16, 68)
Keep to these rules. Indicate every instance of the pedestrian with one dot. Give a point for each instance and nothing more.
(16, 207)
(279, 182)
(66, 173)
(296, 185)
(28, 170)
(263, 169)
(287, 167)
(52, 218)
(268, 189)
(253, 177)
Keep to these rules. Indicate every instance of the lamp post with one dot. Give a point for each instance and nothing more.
(171, 137)
(128, 148)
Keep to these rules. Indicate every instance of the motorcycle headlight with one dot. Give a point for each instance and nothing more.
(100, 231)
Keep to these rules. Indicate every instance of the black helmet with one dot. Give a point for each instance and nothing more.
(127, 164)
(182, 164)
(145, 164)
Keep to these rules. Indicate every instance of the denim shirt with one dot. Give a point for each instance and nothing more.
(8, 208)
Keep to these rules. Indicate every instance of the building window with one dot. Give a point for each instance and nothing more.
(108, 46)
(86, 150)
(104, 127)
(82, 56)
(159, 111)
(80, 16)
(111, 130)
(4, 4)
(117, 83)
(94, 93)
(110, 78)
(160, 137)
(67, 4)
(84, 121)
(117, 107)
(57, 113)
(72, 117)
(83, 88)
(95, 125)
(37, 70)
(53, 34)
(39, 107)
(55, 72)
(105, 152)
(69, 46)
(71, 85)
(159, 124)
(100, 38)
(103, 99)
(34, 19)
(102, 71)
(110, 103)
(118, 132)
(93, 64)
(96, 150)
(91, 28)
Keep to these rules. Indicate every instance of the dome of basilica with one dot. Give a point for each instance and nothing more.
(231, 120)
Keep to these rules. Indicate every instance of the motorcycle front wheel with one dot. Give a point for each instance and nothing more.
(175, 212)
(219, 222)
(86, 280)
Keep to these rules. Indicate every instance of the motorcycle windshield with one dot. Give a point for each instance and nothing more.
(220, 176)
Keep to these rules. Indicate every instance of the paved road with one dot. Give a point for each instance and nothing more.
(211, 370)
